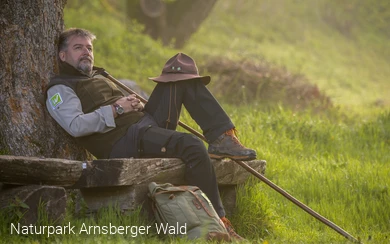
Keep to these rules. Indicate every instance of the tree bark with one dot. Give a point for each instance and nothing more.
(28, 42)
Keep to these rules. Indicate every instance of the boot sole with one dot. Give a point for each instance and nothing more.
(242, 158)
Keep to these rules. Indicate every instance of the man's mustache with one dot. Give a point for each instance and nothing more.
(89, 58)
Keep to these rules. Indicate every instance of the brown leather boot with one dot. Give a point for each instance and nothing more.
(229, 227)
(228, 146)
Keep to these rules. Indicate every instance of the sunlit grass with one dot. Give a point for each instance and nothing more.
(337, 169)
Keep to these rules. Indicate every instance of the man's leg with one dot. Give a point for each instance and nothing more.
(167, 98)
(165, 106)
(158, 142)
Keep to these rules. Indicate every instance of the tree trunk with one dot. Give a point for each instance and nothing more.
(170, 21)
(184, 18)
(28, 42)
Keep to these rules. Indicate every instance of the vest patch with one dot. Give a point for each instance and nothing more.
(56, 100)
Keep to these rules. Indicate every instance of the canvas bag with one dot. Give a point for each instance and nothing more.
(187, 209)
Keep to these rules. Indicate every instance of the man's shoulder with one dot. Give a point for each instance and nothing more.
(67, 80)
(65, 77)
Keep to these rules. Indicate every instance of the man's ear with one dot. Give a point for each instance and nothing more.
(62, 55)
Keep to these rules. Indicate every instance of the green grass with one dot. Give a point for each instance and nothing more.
(338, 170)
(335, 162)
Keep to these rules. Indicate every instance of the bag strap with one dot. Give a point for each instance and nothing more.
(201, 203)
(155, 189)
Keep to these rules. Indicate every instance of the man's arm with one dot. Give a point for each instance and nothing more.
(65, 107)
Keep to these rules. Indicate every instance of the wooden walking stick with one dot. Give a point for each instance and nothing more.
(250, 170)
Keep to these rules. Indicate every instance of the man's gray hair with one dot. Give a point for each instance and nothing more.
(64, 37)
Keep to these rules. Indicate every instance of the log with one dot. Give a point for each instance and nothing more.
(26, 201)
(121, 182)
(124, 182)
(39, 171)
(127, 172)
(110, 172)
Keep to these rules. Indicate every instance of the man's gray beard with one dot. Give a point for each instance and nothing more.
(86, 68)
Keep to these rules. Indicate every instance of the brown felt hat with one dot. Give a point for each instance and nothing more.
(180, 67)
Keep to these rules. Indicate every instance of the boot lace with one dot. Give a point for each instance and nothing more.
(233, 134)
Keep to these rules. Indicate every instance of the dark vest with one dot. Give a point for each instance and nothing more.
(94, 92)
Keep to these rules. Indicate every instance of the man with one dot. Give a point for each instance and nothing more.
(110, 125)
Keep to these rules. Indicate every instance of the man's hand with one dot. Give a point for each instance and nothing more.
(135, 103)
(130, 103)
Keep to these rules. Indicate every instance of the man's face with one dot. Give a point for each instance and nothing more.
(79, 53)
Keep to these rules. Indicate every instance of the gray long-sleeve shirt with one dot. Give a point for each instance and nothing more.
(65, 107)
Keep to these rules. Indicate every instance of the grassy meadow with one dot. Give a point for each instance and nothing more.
(336, 161)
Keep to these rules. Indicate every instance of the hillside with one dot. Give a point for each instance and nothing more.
(343, 47)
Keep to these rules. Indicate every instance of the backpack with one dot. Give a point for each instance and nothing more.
(185, 212)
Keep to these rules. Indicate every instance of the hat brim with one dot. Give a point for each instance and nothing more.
(178, 77)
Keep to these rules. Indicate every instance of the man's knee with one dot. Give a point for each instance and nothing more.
(193, 143)
(194, 153)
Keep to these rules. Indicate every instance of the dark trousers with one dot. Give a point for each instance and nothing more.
(154, 136)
